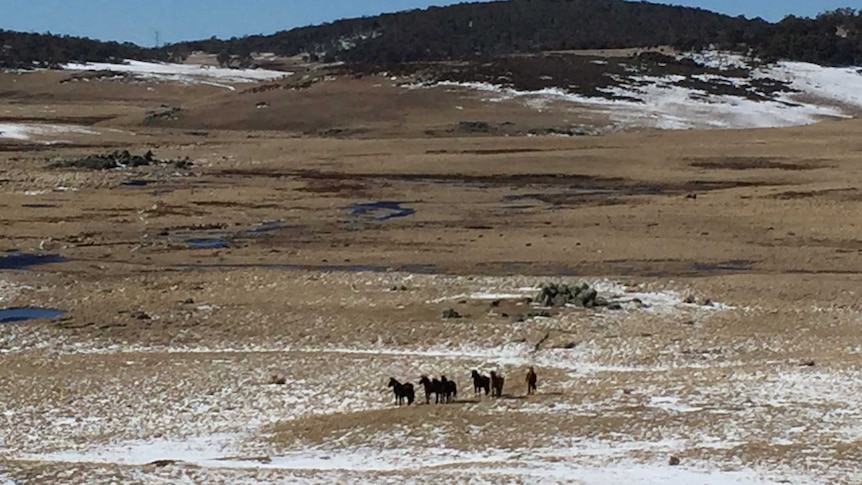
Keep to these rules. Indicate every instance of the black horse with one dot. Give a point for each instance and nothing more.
(432, 386)
(530, 379)
(402, 391)
(497, 384)
(480, 382)
(449, 388)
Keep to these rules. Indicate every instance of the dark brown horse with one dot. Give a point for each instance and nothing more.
(530, 379)
(496, 384)
(432, 386)
(480, 382)
(402, 391)
(449, 388)
(444, 390)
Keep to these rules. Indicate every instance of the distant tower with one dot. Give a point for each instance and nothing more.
(157, 39)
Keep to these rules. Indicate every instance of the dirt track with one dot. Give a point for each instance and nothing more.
(165, 349)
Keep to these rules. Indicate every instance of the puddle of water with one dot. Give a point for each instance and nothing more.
(392, 209)
(540, 196)
(731, 265)
(27, 313)
(525, 267)
(419, 268)
(207, 243)
(135, 183)
(519, 207)
(39, 206)
(333, 268)
(269, 226)
(17, 260)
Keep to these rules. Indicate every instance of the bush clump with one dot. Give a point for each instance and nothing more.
(582, 295)
(119, 159)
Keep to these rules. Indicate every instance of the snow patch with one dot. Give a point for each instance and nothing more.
(26, 131)
(659, 102)
(561, 465)
(667, 106)
(837, 84)
(5, 480)
(672, 404)
(195, 450)
(8, 291)
(218, 451)
(187, 73)
(638, 298)
(489, 295)
(630, 473)
(661, 301)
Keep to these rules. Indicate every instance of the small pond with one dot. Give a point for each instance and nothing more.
(21, 314)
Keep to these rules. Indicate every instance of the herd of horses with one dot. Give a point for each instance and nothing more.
(445, 390)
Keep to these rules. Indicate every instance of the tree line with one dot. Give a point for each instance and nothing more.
(23, 50)
(469, 30)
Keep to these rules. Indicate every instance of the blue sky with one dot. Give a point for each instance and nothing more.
(137, 21)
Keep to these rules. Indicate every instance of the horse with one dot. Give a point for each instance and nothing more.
(450, 389)
(496, 384)
(432, 386)
(480, 382)
(530, 379)
(402, 391)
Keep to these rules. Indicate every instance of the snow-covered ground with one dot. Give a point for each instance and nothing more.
(187, 73)
(665, 301)
(210, 410)
(578, 463)
(776, 411)
(28, 131)
(822, 93)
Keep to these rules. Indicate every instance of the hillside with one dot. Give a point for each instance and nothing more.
(486, 29)
(529, 26)
(496, 28)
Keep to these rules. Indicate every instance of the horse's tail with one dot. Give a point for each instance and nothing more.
(454, 390)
